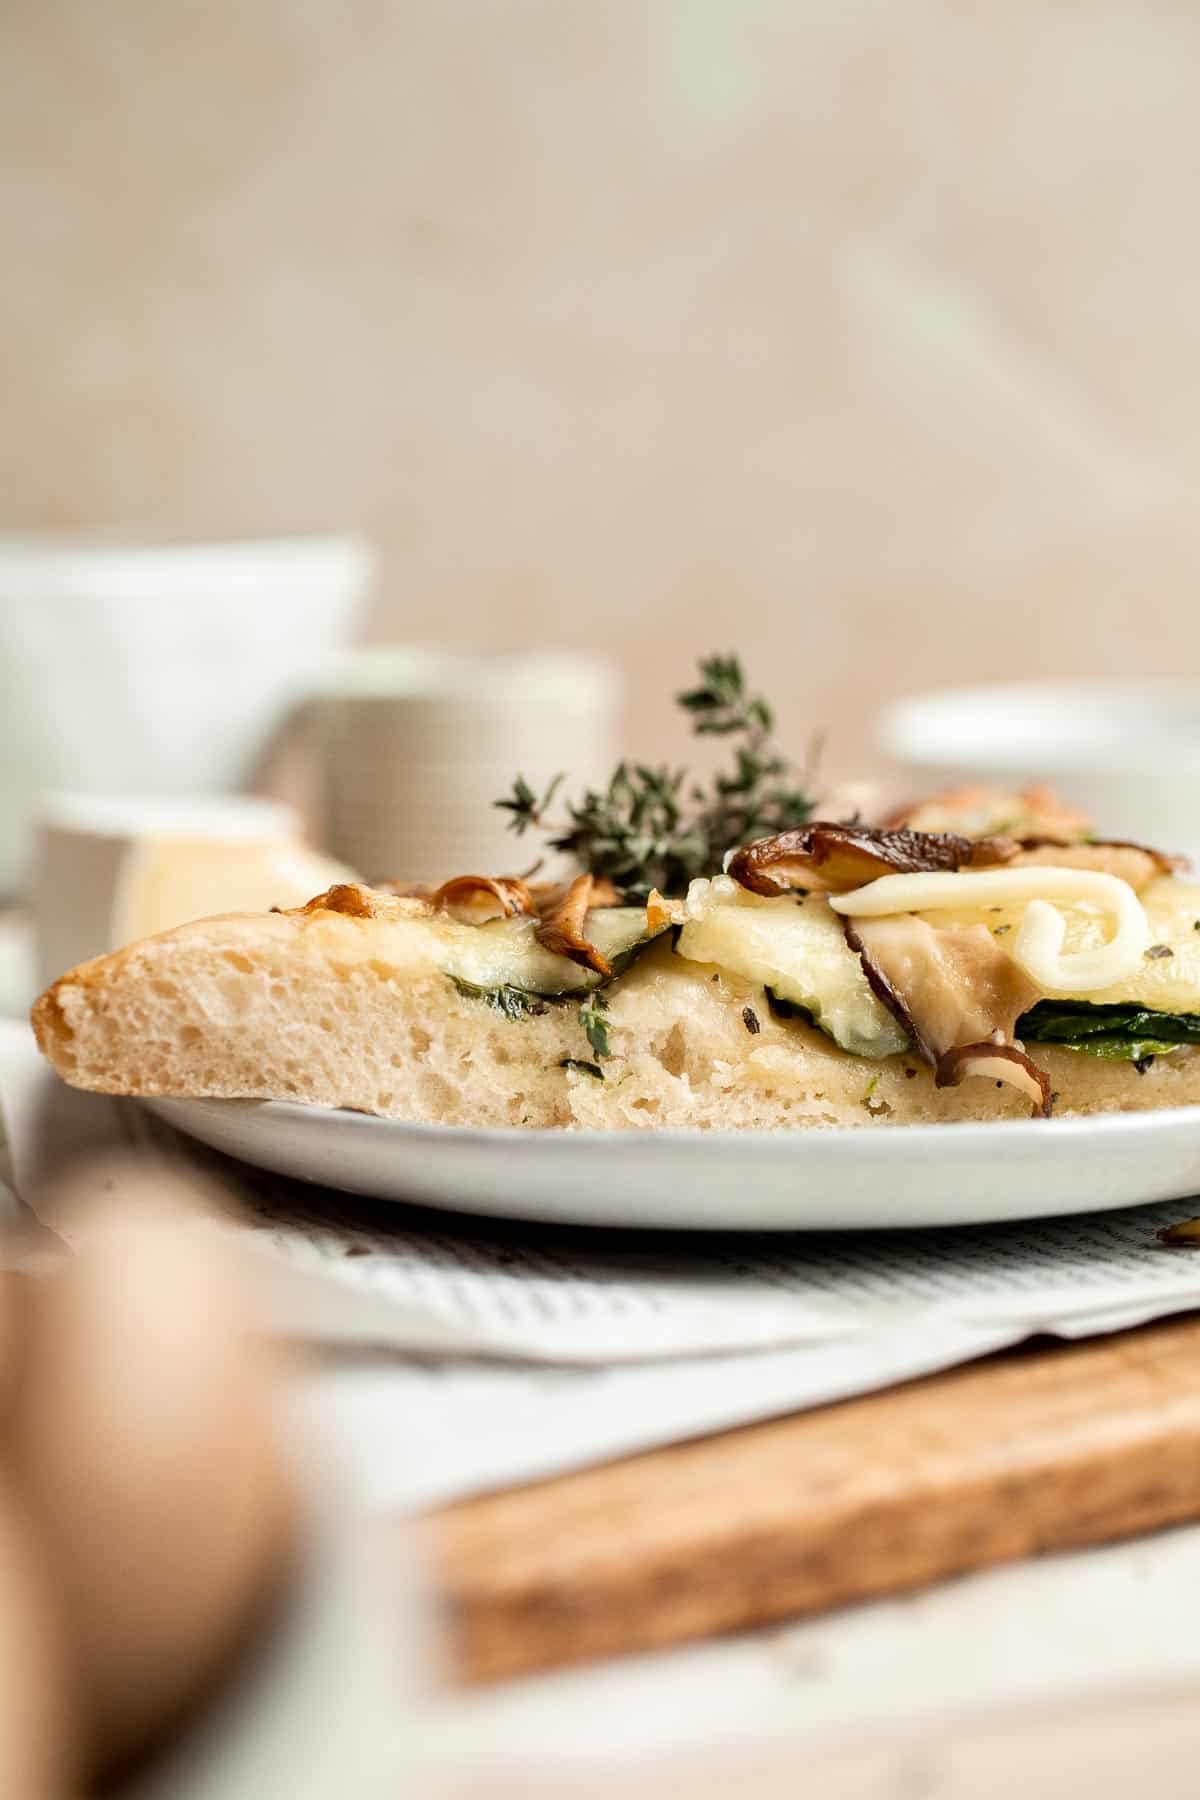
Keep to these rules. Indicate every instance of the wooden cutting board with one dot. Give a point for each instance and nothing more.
(1047, 1448)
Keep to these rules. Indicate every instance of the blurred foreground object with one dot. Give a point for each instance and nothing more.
(163, 668)
(109, 870)
(196, 1630)
(162, 1519)
(419, 745)
(1127, 754)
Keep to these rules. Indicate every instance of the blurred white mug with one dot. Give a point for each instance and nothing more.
(164, 669)
(418, 745)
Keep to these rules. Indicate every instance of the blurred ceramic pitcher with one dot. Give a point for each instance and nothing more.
(164, 669)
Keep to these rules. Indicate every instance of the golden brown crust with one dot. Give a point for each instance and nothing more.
(50, 1028)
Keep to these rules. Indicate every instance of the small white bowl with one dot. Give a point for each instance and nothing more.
(1127, 753)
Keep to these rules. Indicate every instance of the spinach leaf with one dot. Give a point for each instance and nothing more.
(1121, 1031)
(1121, 1049)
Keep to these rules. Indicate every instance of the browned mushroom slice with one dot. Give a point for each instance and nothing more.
(957, 993)
(1136, 864)
(997, 1062)
(474, 899)
(839, 857)
(604, 893)
(947, 986)
(561, 929)
(546, 895)
(996, 812)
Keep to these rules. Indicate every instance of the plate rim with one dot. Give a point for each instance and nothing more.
(860, 1178)
(930, 1132)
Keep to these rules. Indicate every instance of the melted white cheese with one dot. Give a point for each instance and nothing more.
(1038, 944)
(798, 949)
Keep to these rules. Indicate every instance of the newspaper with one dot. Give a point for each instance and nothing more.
(460, 1355)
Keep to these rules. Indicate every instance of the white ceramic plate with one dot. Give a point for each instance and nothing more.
(850, 1177)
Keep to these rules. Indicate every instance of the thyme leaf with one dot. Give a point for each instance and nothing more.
(524, 805)
(510, 1002)
(653, 827)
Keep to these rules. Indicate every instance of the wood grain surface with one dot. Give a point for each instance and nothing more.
(1042, 1449)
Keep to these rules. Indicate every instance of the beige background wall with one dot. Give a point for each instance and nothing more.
(864, 336)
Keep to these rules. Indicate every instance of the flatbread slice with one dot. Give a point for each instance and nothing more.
(377, 1003)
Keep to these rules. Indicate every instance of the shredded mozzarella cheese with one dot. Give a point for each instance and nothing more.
(1038, 943)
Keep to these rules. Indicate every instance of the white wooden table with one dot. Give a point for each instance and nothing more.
(1076, 1674)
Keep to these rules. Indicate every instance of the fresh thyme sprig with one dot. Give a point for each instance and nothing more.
(649, 827)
